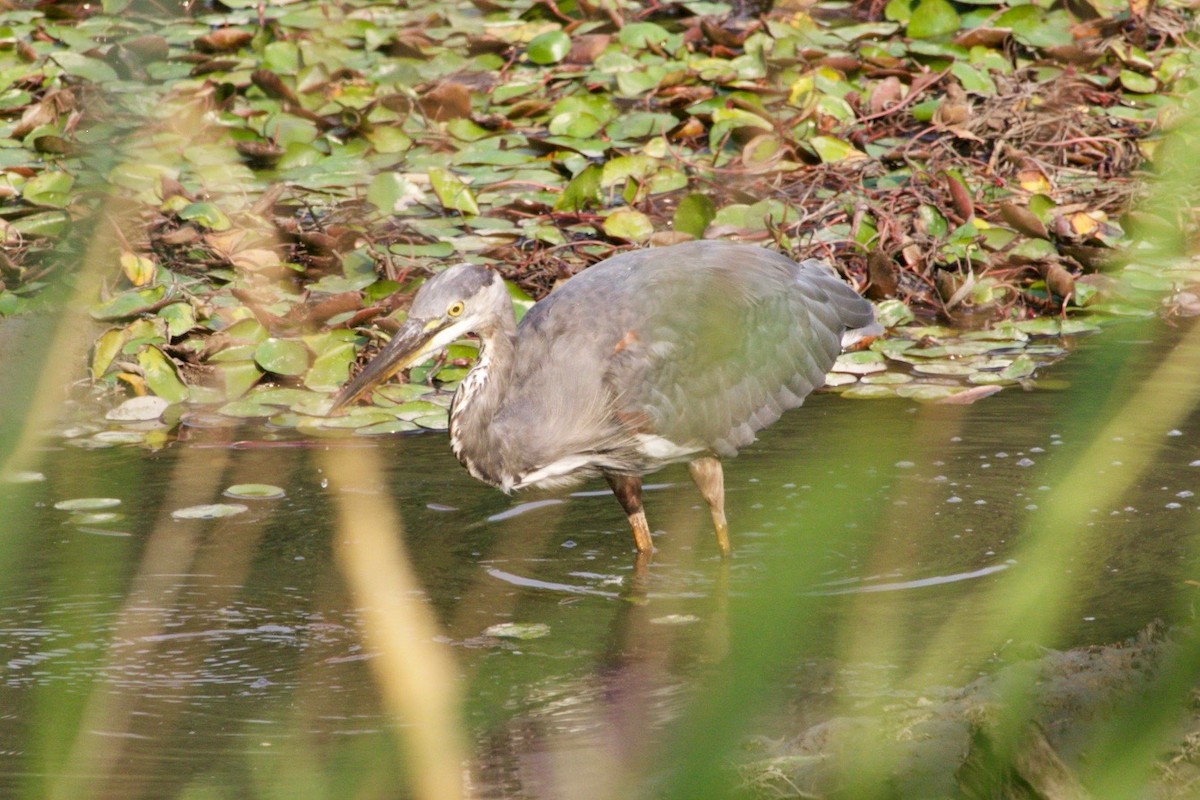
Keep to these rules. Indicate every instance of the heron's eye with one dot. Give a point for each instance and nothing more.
(455, 308)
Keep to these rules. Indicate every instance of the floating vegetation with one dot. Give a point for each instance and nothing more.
(971, 165)
(255, 491)
(209, 511)
(518, 630)
(87, 504)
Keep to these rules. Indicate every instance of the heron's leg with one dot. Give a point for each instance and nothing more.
(628, 489)
(710, 480)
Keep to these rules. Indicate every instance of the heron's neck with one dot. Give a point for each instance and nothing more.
(476, 402)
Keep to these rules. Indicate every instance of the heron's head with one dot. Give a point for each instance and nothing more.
(465, 298)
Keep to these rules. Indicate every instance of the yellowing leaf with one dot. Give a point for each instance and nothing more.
(831, 148)
(1034, 180)
(139, 270)
(1083, 223)
(106, 349)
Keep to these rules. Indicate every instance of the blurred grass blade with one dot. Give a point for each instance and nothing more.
(415, 675)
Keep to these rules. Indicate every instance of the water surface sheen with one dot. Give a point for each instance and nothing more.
(146, 656)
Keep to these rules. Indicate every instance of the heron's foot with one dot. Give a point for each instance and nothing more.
(628, 491)
(722, 530)
(710, 480)
(641, 533)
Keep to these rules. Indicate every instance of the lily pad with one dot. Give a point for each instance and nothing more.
(50, 189)
(247, 408)
(120, 437)
(518, 630)
(87, 504)
(628, 224)
(548, 48)
(452, 192)
(933, 18)
(386, 427)
(862, 362)
(254, 491)
(95, 518)
(128, 304)
(209, 511)
(138, 409)
(161, 376)
(22, 476)
(693, 214)
(282, 356)
(864, 391)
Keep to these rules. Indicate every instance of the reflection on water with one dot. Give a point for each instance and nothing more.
(222, 657)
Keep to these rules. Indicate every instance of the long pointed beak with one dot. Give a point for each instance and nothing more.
(410, 345)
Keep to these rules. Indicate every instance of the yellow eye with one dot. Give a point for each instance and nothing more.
(455, 308)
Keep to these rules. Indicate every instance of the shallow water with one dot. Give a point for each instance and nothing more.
(152, 657)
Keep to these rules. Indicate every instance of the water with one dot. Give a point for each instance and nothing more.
(151, 657)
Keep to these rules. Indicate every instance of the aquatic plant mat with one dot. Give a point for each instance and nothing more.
(246, 196)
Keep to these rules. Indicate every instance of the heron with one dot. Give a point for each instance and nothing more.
(650, 357)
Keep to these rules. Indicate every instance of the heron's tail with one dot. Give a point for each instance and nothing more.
(858, 338)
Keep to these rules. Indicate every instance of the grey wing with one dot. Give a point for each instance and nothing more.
(725, 361)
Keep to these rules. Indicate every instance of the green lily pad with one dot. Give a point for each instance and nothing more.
(831, 149)
(234, 378)
(87, 504)
(247, 408)
(628, 224)
(389, 426)
(892, 313)
(582, 191)
(887, 378)
(453, 194)
(392, 192)
(180, 317)
(434, 422)
(128, 304)
(50, 189)
(861, 362)
(933, 18)
(282, 356)
(548, 48)
(209, 511)
(402, 392)
(866, 391)
(944, 368)
(1022, 367)
(283, 396)
(161, 377)
(693, 214)
(331, 368)
(206, 215)
(254, 491)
